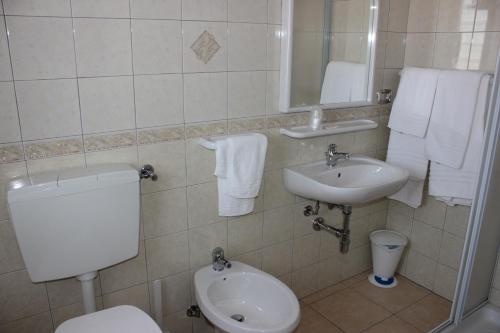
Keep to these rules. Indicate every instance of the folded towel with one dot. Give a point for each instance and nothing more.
(407, 151)
(413, 104)
(452, 116)
(239, 168)
(457, 186)
(344, 82)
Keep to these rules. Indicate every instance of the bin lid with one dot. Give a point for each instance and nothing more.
(388, 238)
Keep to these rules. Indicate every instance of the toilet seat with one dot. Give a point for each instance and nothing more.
(119, 319)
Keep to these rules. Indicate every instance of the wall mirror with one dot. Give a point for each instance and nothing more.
(327, 53)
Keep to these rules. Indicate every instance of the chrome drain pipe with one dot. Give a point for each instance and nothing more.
(343, 234)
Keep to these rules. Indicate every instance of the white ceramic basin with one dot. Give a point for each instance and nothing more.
(359, 179)
(266, 303)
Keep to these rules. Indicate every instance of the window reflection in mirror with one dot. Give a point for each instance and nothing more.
(331, 51)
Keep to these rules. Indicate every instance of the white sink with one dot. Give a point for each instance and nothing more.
(359, 179)
(265, 304)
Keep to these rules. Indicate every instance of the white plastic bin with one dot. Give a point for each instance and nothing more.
(387, 248)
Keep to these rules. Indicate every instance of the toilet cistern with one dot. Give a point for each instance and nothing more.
(75, 222)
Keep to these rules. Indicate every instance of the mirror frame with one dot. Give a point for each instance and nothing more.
(287, 61)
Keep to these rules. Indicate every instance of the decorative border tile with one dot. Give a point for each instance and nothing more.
(107, 141)
(247, 125)
(51, 148)
(155, 135)
(11, 152)
(206, 129)
(297, 119)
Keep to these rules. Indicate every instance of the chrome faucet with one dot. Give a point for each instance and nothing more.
(332, 156)
(218, 260)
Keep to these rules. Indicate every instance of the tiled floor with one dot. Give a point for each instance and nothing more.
(355, 305)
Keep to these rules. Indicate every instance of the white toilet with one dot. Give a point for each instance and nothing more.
(75, 222)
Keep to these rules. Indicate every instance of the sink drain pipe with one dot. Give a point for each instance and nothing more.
(344, 234)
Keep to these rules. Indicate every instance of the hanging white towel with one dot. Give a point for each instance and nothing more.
(452, 116)
(239, 168)
(344, 82)
(336, 83)
(407, 151)
(413, 104)
(457, 186)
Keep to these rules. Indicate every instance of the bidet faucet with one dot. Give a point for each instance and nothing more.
(332, 156)
(218, 260)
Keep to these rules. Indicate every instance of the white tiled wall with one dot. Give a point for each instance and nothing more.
(445, 34)
(84, 82)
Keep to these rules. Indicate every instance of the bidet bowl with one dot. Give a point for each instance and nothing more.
(243, 299)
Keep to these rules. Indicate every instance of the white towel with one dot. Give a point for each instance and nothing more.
(239, 168)
(413, 104)
(457, 186)
(336, 83)
(450, 125)
(407, 151)
(344, 82)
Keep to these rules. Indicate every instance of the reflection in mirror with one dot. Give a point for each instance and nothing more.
(331, 51)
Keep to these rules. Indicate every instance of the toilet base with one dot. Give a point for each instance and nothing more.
(381, 283)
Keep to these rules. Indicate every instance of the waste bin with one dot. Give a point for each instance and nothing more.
(387, 248)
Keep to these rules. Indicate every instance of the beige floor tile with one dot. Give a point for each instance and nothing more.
(394, 299)
(392, 325)
(350, 311)
(427, 313)
(323, 293)
(313, 322)
(356, 278)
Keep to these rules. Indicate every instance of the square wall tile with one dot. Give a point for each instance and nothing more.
(398, 15)
(274, 47)
(423, 15)
(41, 323)
(137, 296)
(37, 7)
(164, 212)
(274, 12)
(9, 119)
(23, 297)
(204, 10)
(10, 255)
(169, 159)
(5, 67)
(158, 100)
(103, 47)
(247, 47)
(156, 9)
(205, 97)
(244, 234)
(100, 8)
(487, 16)
(247, 11)
(456, 16)
(247, 94)
(41, 47)
(157, 46)
(48, 108)
(107, 104)
(395, 50)
(272, 92)
(419, 49)
(204, 46)
(484, 51)
(203, 240)
(167, 255)
(203, 205)
(452, 50)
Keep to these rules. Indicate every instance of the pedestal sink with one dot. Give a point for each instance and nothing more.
(356, 180)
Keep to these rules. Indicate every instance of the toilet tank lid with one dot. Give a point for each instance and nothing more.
(65, 182)
(119, 319)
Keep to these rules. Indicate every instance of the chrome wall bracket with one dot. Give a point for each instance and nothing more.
(148, 172)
